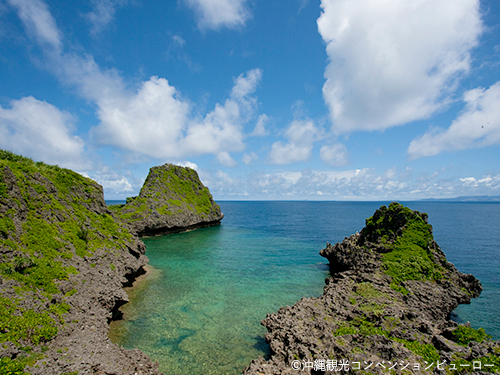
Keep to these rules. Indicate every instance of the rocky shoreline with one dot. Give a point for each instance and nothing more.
(385, 309)
(66, 259)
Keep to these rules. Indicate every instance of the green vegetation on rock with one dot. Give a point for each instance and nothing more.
(361, 325)
(21, 324)
(171, 197)
(409, 255)
(463, 335)
(16, 366)
(182, 185)
(48, 216)
(489, 364)
(369, 295)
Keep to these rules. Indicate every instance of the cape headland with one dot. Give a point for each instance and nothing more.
(66, 258)
(385, 309)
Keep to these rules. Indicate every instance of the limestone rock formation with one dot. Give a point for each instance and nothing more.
(172, 199)
(64, 262)
(385, 309)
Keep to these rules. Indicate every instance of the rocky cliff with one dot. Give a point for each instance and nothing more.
(172, 199)
(385, 309)
(64, 262)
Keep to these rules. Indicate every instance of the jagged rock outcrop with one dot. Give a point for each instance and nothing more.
(385, 309)
(64, 262)
(172, 199)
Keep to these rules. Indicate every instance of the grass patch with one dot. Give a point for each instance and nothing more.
(50, 206)
(16, 366)
(345, 330)
(410, 256)
(178, 188)
(360, 325)
(70, 293)
(17, 323)
(367, 290)
(165, 210)
(427, 351)
(463, 335)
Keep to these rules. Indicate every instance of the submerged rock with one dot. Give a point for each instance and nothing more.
(385, 309)
(172, 199)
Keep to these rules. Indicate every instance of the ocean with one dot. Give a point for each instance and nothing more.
(199, 310)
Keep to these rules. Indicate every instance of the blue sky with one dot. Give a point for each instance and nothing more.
(295, 99)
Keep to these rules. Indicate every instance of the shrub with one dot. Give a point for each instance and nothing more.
(463, 335)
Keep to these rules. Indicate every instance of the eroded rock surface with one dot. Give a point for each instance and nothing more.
(64, 262)
(387, 304)
(172, 199)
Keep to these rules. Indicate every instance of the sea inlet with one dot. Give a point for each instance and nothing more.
(198, 309)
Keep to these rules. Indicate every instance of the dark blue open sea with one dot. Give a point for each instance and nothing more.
(199, 310)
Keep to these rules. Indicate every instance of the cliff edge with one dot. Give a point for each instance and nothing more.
(64, 261)
(385, 309)
(172, 199)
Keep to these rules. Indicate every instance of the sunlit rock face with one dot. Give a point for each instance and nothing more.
(172, 199)
(65, 260)
(387, 303)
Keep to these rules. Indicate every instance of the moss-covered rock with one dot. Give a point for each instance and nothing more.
(388, 302)
(172, 199)
(57, 289)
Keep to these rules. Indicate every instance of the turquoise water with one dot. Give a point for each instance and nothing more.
(199, 310)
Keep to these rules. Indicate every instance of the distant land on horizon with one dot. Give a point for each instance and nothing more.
(467, 198)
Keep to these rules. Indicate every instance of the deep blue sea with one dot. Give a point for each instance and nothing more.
(199, 310)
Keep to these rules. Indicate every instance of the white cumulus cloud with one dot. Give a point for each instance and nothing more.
(488, 181)
(156, 122)
(226, 160)
(214, 14)
(188, 164)
(149, 121)
(477, 126)
(117, 186)
(222, 128)
(335, 155)
(301, 134)
(392, 61)
(114, 183)
(40, 130)
(248, 158)
(260, 128)
(153, 120)
(353, 184)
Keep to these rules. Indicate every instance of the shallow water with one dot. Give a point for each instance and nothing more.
(199, 311)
